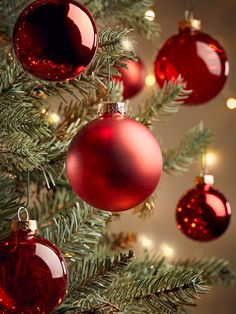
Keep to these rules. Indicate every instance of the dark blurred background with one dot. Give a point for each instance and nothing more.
(159, 233)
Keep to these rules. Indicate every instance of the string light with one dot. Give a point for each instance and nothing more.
(150, 80)
(231, 103)
(53, 118)
(146, 242)
(127, 44)
(211, 158)
(167, 251)
(44, 111)
(150, 15)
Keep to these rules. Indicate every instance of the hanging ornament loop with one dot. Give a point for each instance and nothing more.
(21, 210)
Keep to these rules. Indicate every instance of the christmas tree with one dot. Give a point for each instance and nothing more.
(39, 118)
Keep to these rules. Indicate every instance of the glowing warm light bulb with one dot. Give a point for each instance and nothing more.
(167, 251)
(211, 158)
(146, 242)
(150, 80)
(44, 111)
(53, 118)
(127, 44)
(150, 15)
(231, 103)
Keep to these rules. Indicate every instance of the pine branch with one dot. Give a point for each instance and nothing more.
(129, 13)
(90, 281)
(214, 271)
(164, 102)
(76, 230)
(165, 293)
(178, 160)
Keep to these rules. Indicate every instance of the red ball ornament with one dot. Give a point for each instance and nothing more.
(198, 58)
(114, 163)
(55, 40)
(133, 78)
(33, 272)
(203, 213)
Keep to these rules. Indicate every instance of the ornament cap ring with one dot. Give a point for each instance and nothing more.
(23, 224)
(112, 108)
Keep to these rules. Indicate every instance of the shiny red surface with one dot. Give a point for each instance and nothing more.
(203, 213)
(114, 163)
(200, 60)
(133, 78)
(55, 40)
(33, 275)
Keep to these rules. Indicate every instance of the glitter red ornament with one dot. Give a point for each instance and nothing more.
(114, 163)
(198, 58)
(55, 40)
(203, 213)
(132, 77)
(33, 272)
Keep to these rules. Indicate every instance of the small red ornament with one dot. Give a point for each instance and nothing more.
(198, 58)
(114, 163)
(133, 78)
(55, 40)
(33, 272)
(203, 213)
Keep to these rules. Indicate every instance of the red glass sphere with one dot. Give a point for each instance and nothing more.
(199, 59)
(55, 40)
(133, 78)
(114, 163)
(203, 213)
(33, 274)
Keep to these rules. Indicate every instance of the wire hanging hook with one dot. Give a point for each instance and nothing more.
(20, 211)
(27, 190)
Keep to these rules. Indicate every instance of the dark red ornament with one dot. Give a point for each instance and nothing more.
(114, 163)
(198, 58)
(133, 78)
(33, 272)
(203, 213)
(55, 40)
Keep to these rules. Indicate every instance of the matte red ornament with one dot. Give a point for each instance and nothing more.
(114, 163)
(33, 274)
(203, 213)
(133, 78)
(55, 40)
(198, 58)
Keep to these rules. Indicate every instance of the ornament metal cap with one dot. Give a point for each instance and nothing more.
(206, 179)
(190, 22)
(26, 224)
(112, 107)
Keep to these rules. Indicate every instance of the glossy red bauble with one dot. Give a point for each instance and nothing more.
(133, 78)
(114, 163)
(55, 40)
(199, 59)
(33, 274)
(203, 213)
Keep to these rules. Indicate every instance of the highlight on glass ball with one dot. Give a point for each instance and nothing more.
(114, 163)
(198, 58)
(203, 213)
(132, 77)
(55, 40)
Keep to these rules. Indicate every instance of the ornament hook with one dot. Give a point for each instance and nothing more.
(21, 210)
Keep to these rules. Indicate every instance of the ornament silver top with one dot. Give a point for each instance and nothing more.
(112, 107)
(190, 22)
(206, 179)
(23, 224)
